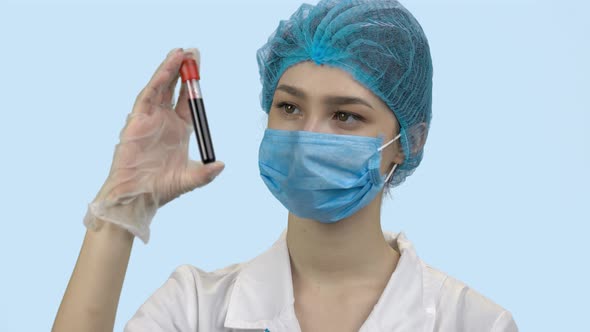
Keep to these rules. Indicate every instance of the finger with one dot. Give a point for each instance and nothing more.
(166, 82)
(168, 56)
(182, 106)
(153, 92)
(196, 54)
(168, 93)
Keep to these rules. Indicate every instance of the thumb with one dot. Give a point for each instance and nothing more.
(198, 174)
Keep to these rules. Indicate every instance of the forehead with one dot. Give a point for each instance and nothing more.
(324, 80)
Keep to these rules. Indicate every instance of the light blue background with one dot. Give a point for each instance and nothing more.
(500, 201)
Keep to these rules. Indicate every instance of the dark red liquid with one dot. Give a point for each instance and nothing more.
(202, 130)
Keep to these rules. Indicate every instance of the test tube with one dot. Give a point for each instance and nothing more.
(189, 71)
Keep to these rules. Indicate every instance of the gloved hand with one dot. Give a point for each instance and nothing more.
(150, 165)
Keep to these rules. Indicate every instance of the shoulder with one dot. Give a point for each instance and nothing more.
(191, 281)
(458, 307)
(199, 278)
(191, 299)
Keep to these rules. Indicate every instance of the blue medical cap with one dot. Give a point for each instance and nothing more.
(378, 42)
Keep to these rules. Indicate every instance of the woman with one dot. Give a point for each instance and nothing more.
(347, 86)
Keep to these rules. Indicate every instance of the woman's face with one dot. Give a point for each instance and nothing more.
(325, 99)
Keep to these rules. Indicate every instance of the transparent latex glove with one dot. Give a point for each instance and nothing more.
(150, 165)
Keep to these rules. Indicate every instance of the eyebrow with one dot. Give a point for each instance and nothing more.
(331, 100)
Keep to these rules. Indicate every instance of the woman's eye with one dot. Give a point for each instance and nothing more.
(288, 109)
(347, 118)
(341, 116)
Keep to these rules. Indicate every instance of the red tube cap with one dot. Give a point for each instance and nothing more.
(189, 70)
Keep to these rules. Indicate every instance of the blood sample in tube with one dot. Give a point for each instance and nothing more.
(189, 72)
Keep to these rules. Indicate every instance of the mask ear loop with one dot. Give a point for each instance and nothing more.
(390, 173)
(388, 143)
(394, 165)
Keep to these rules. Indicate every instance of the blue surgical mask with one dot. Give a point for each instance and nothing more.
(324, 177)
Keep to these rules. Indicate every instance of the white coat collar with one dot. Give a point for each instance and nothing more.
(262, 296)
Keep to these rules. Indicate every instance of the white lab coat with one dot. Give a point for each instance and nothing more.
(258, 295)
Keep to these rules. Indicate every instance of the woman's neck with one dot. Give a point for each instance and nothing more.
(349, 253)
